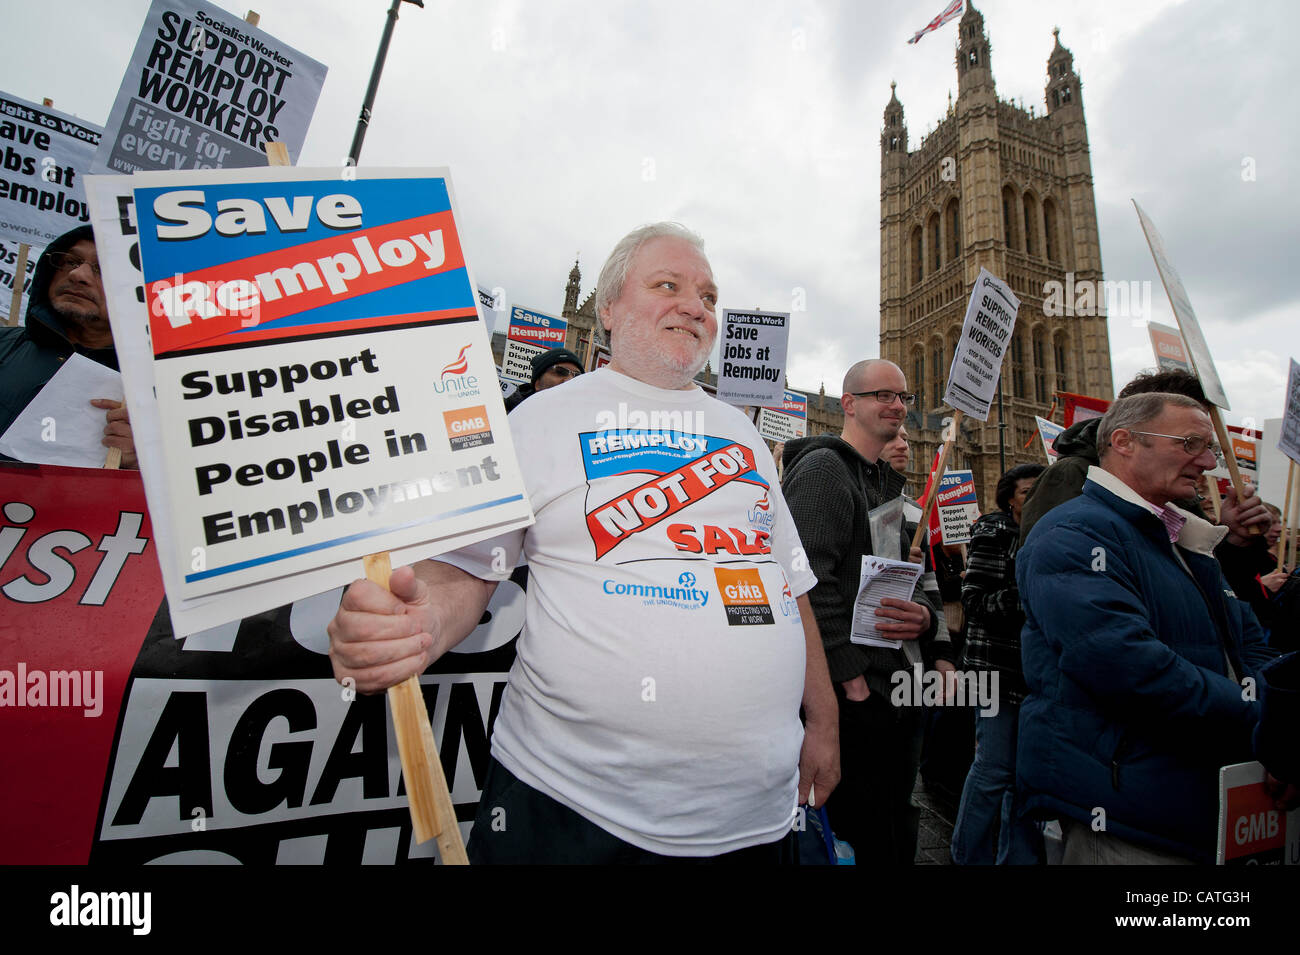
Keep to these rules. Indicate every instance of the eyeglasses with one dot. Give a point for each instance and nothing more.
(66, 262)
(1193, 444)
(564, 372)
(887, 397)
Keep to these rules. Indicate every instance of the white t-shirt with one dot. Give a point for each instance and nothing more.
(658, 679)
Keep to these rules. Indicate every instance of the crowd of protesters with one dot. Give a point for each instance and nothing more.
(1137, 643)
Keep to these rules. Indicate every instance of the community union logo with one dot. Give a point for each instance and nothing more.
(685, 596)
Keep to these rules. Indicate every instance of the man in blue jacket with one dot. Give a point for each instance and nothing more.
(1141, 663)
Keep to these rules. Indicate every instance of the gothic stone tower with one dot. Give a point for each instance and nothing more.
(1009, 190)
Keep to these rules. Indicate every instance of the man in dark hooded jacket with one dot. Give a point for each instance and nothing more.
(66, 313)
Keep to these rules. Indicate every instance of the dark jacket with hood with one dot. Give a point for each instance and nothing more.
(1063, 481)
(830, 490)
(32, 353)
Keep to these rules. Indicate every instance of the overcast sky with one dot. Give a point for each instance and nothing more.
(757, 123)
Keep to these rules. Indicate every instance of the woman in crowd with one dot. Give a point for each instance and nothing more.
(988, 829)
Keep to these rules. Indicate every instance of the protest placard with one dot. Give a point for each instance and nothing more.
(1049, 431)
(490, 305)
(508, 385)
(754, 346)
(9, 256)
(1171, 354)
(138, 744)
(1198, 351)
(45, 154)
(207, 90)
(1244, 443)
(1077, 408)
(1288, 437)
(957, 506)
(787, 421)
(293, 377)
(517, 362)
(533, 327)
(985, 336)
(531, 333)
(1251, 829)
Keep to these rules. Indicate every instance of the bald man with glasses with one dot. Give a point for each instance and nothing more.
(831, 484)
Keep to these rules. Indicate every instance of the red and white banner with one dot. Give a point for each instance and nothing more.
(121, 743)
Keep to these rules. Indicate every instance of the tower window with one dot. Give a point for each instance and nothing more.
(938, 373)
(973, 58)
(1031, 226)
(1017, 367)
(1040, 368)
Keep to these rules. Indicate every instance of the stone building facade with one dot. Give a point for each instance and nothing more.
(1009, 189)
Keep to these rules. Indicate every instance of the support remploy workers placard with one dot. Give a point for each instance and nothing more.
(754, 346)
(45, 154)
(531, 333)
(787, 422)
(324, 384)
(207, 90)
(985, 336)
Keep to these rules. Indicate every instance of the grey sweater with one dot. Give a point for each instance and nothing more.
(830, 489)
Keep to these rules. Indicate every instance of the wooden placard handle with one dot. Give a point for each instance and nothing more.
(432, 813)
(1291, 538)
(113, 459)
(1284, 538)
(1230, 459)
(277, 154)
(935, 477)
(20, 280)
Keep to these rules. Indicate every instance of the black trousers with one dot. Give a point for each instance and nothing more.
(517, 825)
(880, 750)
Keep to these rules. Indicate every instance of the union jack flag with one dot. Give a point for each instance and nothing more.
(950, 12)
